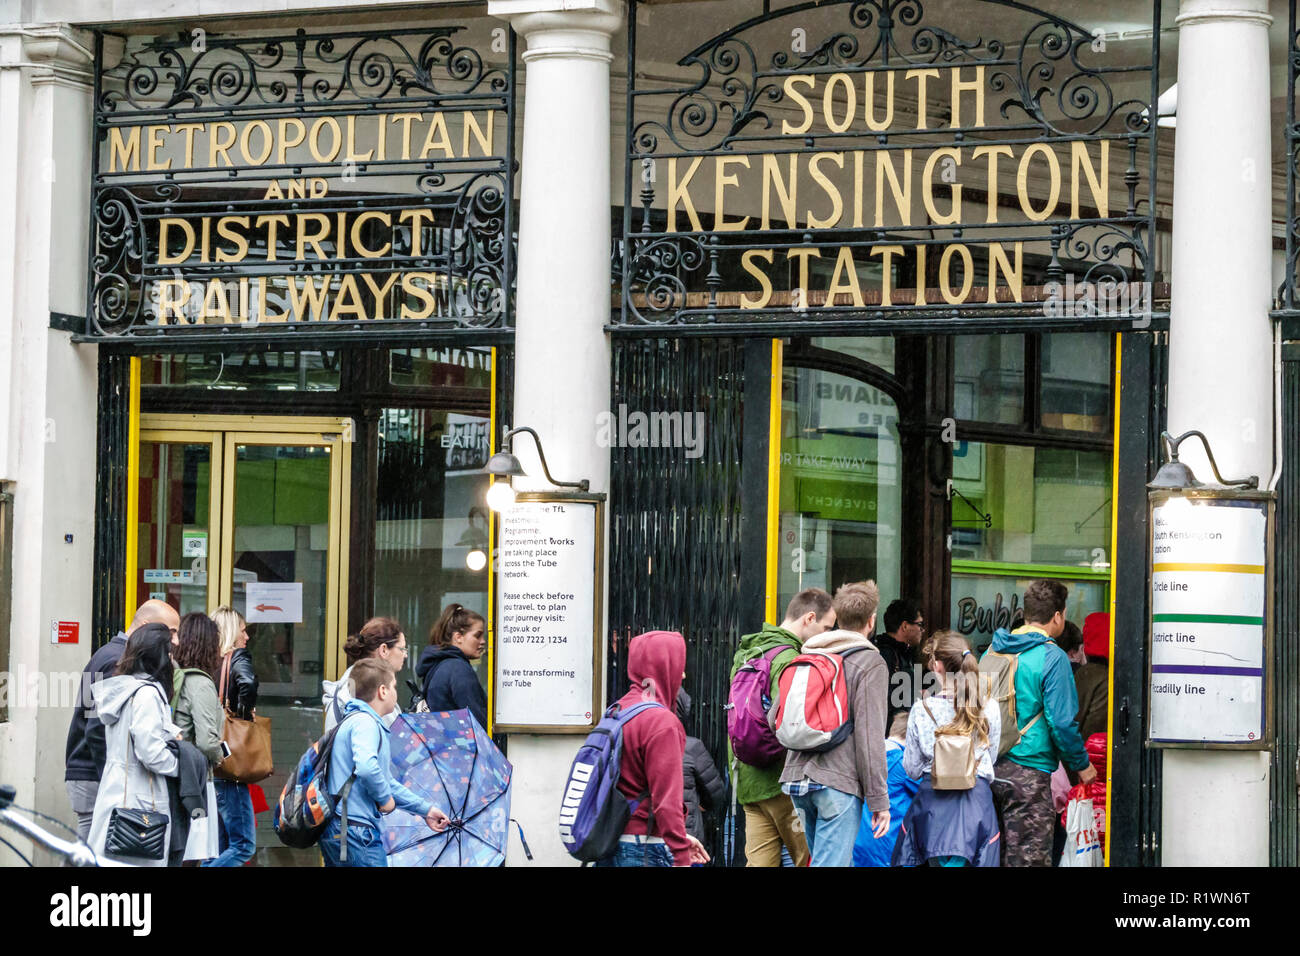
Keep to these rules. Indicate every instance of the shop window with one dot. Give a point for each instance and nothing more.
(877, 350)
(308, 371)
(1076, 373)
(989, 378)
(841, 500)
(431, 528)
(1051, 381)
(441, 367)
(1020, 513)
(6, 596)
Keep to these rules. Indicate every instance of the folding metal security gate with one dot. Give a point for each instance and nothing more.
(1284, 841)
(679, 529)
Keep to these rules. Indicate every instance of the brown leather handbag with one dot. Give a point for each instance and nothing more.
(249, 741)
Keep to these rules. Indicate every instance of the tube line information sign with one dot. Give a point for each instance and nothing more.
(547, 615)
(1208, 621)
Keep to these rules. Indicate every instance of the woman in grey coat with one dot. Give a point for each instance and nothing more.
(138, 728)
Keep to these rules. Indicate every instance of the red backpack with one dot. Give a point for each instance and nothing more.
(812, 712)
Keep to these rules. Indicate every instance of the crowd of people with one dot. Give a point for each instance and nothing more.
(933, 754)
(909, 750)
(148, 735)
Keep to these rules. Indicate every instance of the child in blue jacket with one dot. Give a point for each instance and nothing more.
(361, 757)
(867, 850)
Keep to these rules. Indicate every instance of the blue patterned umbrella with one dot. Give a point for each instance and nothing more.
(448, 758)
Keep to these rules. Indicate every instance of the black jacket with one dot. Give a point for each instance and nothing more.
(84, 758)
(241, 685)
(450, 683)
(899, 659)
(702, 785)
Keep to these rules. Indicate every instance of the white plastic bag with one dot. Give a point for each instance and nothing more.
(1082, 842)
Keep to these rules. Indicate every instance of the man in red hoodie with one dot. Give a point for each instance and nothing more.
(653, 744)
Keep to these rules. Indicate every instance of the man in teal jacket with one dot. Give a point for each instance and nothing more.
(1046, 705)
(770, 819)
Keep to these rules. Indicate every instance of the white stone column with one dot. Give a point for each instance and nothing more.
(562, 355)
(1215, 804)
(47, 392)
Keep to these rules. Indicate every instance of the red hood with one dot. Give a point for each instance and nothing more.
(1096, 635)
(655, 663)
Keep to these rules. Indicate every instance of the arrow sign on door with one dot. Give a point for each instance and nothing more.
(273, 603)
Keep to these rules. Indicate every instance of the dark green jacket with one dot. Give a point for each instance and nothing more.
(198, 713)
(759, 783)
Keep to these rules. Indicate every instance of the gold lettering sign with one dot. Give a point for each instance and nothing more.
(350, 188)
(817, 159)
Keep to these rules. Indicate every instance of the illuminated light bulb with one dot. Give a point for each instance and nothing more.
(500, 496)
(476, 560)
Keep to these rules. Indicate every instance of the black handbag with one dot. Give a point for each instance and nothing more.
(137, 833)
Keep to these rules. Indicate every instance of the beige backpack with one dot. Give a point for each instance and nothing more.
(954, 757)
(998, 680)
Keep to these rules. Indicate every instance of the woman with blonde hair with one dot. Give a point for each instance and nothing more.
(952, 820)
(237, 684)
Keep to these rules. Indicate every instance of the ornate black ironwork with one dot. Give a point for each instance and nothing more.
(288, 171)
(1289, 309)
(756, 105)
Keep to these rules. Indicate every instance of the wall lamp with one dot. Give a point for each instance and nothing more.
(1174, 474)
(505, 465)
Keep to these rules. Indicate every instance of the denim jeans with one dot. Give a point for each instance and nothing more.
(639, 854)
(365, 845)
(830, 825)
(238, 828)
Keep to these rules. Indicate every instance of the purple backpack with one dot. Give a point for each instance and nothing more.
(593, 812)
(752, 739)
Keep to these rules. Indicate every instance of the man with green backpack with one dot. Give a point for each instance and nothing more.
(770, 819)
(1033, 683)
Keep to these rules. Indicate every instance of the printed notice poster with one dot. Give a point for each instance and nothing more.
(1207, 621)
(269, 603)
(545, 613)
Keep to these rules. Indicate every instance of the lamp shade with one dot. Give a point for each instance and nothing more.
(504, 465)
(1172, 475)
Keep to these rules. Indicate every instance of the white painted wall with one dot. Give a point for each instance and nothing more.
(48, 441)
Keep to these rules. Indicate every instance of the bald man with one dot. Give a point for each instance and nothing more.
(84, 763)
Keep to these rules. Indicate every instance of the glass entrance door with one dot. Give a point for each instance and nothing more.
(276, 519)
(179, 504)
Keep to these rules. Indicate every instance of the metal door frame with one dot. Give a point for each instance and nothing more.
(223, 433)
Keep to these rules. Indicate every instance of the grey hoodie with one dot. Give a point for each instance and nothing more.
(857, 766)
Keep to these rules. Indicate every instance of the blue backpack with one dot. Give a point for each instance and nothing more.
(593, 812)
(305, 804)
